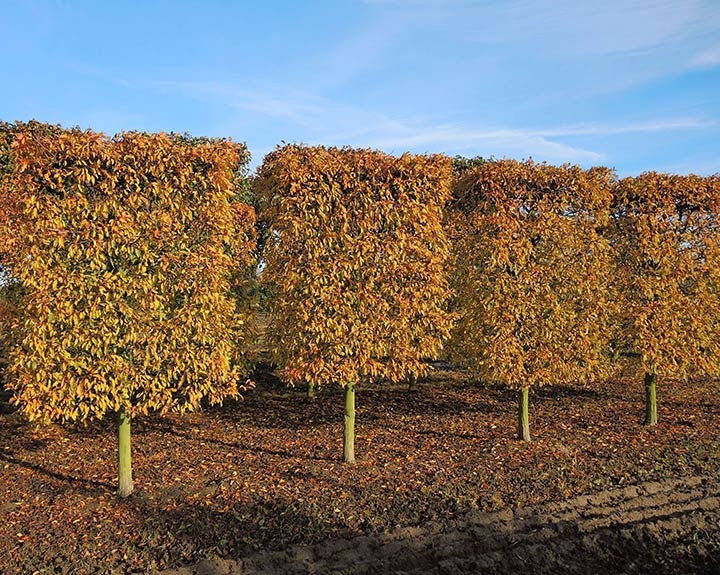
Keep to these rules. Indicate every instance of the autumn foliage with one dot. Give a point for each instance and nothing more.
(9, 199)
(10, 290)
(134, 259)
(126, 251)
(530, 274)
(667, 236)
(355, 263)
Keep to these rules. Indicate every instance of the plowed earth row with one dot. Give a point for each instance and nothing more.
(654, 527)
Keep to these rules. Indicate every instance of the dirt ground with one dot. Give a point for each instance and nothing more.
(655, 527)
(441, 485)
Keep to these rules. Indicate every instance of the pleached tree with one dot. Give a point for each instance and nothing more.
(529, 273)
(127, 249)
(355, 266)
(667, 237)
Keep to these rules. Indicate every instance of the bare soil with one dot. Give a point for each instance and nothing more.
(657, 527)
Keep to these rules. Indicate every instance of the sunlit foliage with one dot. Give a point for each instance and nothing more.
(356, 257)
(126, 249)
(667, 236)
(355, 262)
(530, 272)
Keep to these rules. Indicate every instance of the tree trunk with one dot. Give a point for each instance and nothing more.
(523, 416)
(413, 384)
(650, 400)
(311, 391)
(349, 428)
(125, 482)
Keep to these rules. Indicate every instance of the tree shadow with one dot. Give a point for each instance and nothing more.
(189, 532)
(378, 404)
(274, 405)
(85, 486)
(564, 391)
(16, 431)
(289, 409)
(6, 407)
(165, 426)
(272, 536)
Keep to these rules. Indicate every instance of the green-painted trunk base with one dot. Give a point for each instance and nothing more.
(650, 399)
(523, 414)
(125, 481)
(349, 427)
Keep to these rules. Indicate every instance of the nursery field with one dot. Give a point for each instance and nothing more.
(264, 475)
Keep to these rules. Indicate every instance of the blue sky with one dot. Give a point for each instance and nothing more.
(629, 84)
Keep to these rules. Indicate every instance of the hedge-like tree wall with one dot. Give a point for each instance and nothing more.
(355, 265)
(529, 273)
(126, 252)
(667, 237)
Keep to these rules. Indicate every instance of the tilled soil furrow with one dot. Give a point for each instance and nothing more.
(637, 529)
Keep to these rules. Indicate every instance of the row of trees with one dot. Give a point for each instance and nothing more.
(135, 256)
(556, 273)
(559, 273)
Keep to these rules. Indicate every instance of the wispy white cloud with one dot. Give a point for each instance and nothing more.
(569, 26)
(613, 26)
(542, 143)
(569, 47)
(707, 58)
(492, 142)
(300, 107)
(319, 120)
(664, 125)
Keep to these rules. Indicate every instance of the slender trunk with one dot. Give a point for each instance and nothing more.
(523, 415)
(413, 384)
(125, 482)
(650, 400)
(312, 390)
(349, 428)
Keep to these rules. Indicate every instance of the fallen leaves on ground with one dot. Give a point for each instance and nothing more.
(266, 472)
